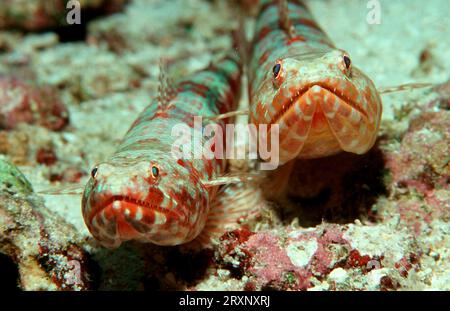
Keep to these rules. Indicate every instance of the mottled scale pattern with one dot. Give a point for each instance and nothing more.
(299, 80)
(142, 192)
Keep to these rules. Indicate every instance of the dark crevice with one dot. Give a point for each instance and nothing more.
(189, 267)
(78, 32)
(9, 274)
(337, 189)
(72, 33)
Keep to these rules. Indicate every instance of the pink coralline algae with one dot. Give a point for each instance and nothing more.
(420, 171)
(421, 162)
(297, 259)
(273, 267)
(23, 102)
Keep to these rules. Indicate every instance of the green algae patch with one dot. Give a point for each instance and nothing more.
(12, 180)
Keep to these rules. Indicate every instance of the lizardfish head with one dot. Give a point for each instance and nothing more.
(321, 102)
(156, 201)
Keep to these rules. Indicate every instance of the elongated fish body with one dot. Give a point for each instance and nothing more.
(142, 192)
(302, 82)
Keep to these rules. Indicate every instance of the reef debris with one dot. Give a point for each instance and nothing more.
(43, 246)
(23, 102)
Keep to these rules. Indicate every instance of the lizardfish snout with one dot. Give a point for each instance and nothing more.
(134, 209)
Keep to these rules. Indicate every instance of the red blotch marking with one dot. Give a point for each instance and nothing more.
(263, 57)
(56, 177)
(230, 240)
(46, 157)
(154, 197)
(250, 286)
(235, 238)
(406, 263)
(295, 39)
(197, 88)
(307, 22)
(159, 114)
(184, 200)
(356, 260)
(264, 32)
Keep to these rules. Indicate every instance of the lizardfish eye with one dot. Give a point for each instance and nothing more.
(347, 61)
(94, 172)
(276, 70)
(155, 171)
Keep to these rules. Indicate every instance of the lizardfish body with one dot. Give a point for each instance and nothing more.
(302, 82)
(142, 192)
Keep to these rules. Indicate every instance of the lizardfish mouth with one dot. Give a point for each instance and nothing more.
(324, 90)
(121, 218)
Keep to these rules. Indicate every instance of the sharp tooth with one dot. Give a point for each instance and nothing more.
(159, 218)
(116, 205)
(138, 215)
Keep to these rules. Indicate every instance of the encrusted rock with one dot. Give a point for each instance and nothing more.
(87, 72)
(43, 246)
(345, 255)
(23, 102)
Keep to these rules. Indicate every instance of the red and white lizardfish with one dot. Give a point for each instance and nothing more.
(299, 80)
(144, 193)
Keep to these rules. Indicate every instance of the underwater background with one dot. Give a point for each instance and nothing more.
(68, 94)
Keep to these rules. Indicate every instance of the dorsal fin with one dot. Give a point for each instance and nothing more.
(284, 20)
(166, 90)
(241, 45)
